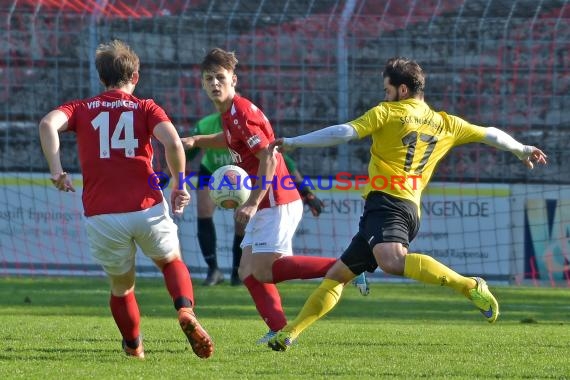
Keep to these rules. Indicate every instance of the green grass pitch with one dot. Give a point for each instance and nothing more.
(62, 329)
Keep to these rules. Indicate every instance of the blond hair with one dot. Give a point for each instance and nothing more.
(116, 62)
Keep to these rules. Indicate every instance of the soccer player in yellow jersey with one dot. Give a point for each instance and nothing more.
(408, 141)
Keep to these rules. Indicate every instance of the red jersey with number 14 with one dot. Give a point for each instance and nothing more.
(113, 140)
(247, 131)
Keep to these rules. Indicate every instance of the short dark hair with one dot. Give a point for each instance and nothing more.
(401, 70)
(116, 62)
(219, 58)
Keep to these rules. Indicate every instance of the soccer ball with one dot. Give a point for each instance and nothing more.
(230, 186)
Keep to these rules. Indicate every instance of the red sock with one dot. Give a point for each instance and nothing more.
(179, 283)
(126, 313)
(300, 267)
(267, 301)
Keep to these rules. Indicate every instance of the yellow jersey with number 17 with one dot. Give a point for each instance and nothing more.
(408, 141)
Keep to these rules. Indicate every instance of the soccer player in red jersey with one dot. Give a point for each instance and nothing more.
(123, 207)
(274, 208)
(210, 160)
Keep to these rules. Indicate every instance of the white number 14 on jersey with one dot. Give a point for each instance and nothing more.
(129, 143)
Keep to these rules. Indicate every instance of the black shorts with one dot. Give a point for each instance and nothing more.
(204, 176)
(385, 219)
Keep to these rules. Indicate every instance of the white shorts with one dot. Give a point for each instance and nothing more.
(272, 229)
(113, 237)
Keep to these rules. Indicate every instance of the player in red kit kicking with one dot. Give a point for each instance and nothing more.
(274, 208)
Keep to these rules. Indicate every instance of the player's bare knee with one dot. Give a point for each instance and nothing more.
(263, 275)
(391, 267)
(122, 284)
(390, 257)
(160, 263)
(262, 265)
(243, 273)
(340, 272)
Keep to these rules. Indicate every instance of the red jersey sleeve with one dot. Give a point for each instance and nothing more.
(155, 114)
(257, 132)
(68, 109)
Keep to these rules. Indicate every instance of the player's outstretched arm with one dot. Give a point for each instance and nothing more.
(329, 136)
(204, 141)
(528, 154)
(50, 126)
(536, 156)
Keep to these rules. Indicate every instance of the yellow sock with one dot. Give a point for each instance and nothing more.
(320, 302)
(430, 271)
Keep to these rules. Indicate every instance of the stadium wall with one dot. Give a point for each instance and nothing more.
(308, 64)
